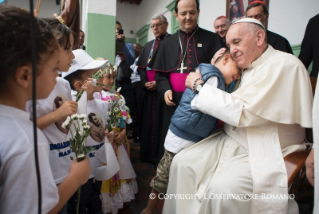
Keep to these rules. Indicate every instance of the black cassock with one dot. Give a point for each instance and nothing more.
(278, 42)
(167, 60)
(152, 104)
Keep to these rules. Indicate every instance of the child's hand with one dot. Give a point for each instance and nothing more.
(89, 89)
(119, 138)
(80, 171)
(66, 109)
(218, 54)
(97, 88)
(109, 136)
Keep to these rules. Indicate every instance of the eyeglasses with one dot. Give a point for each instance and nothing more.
(156, 25)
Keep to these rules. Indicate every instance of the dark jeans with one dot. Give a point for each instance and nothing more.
(89, 199)
(126, 91)
(136, 110)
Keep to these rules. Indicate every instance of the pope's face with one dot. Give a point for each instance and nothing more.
(187, 15)
(257, 13)
(242, 45)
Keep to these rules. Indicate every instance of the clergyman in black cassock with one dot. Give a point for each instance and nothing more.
(152, 104)
(199, 46)
(310, 46)
(278, 42)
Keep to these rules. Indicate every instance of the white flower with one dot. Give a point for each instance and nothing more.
(113, 126)
(84, 121)
(108, 113)
(109, 101)
(82, 116)
(81, 156)
(80, 133)
(108, 64)
(87, 127)
(115, 68)
(75, 116)
(116, 109)
(66, 122)
(121, 102)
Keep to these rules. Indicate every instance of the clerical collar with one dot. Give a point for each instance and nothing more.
(183, 32)
(162, 37)
(260, 59)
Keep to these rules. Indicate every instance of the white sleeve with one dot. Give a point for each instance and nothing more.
(219, 104)
(225, 107)
(213, 81)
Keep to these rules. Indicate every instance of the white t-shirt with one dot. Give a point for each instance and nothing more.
(174, 143)
(18, 181)
(97, 119)
(57, 136)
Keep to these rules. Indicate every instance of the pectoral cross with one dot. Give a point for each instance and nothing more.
(182, 67)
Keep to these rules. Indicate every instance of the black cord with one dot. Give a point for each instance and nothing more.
(34, 113)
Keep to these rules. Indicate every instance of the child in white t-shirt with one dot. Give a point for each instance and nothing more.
(52, 111)
(83, 67)
(18, 174)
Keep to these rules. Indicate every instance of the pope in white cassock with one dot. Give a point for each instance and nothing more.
(264, 121)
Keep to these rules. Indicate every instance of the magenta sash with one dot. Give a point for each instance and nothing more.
(150, 75)
(178, 81)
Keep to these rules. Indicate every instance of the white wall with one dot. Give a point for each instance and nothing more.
(134, 17)
(287, 17)
(47, 8)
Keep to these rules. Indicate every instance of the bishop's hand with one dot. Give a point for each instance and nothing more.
(168, 97)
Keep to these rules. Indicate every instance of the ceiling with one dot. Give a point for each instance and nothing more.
(131, 1)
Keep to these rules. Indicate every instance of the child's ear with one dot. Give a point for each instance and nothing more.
(23, 76)
(78, 85)
(226, 59)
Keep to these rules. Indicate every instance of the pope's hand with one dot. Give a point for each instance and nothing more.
(168, 97)
(310, 167)
(192, 76)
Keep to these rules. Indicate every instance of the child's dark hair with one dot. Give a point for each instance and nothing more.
(61, 32)
(75, 76)
(15, 42)
(227, 51)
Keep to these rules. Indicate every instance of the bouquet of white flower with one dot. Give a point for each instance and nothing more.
(78, 141)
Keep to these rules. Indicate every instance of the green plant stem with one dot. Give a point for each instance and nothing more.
(78, 199)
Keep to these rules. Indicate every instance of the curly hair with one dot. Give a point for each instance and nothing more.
(15, 42)
(61, 32)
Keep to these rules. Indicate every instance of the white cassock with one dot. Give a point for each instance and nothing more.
(316, 139)
(264, 121)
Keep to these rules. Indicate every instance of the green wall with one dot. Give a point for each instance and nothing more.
(296, 51)
(100, 38)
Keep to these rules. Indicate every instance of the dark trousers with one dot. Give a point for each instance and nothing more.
(126, 92)
(89, 199)
(136, 106)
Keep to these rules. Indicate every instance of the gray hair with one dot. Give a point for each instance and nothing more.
(161, 16)
(227, 20)
(252, 28)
